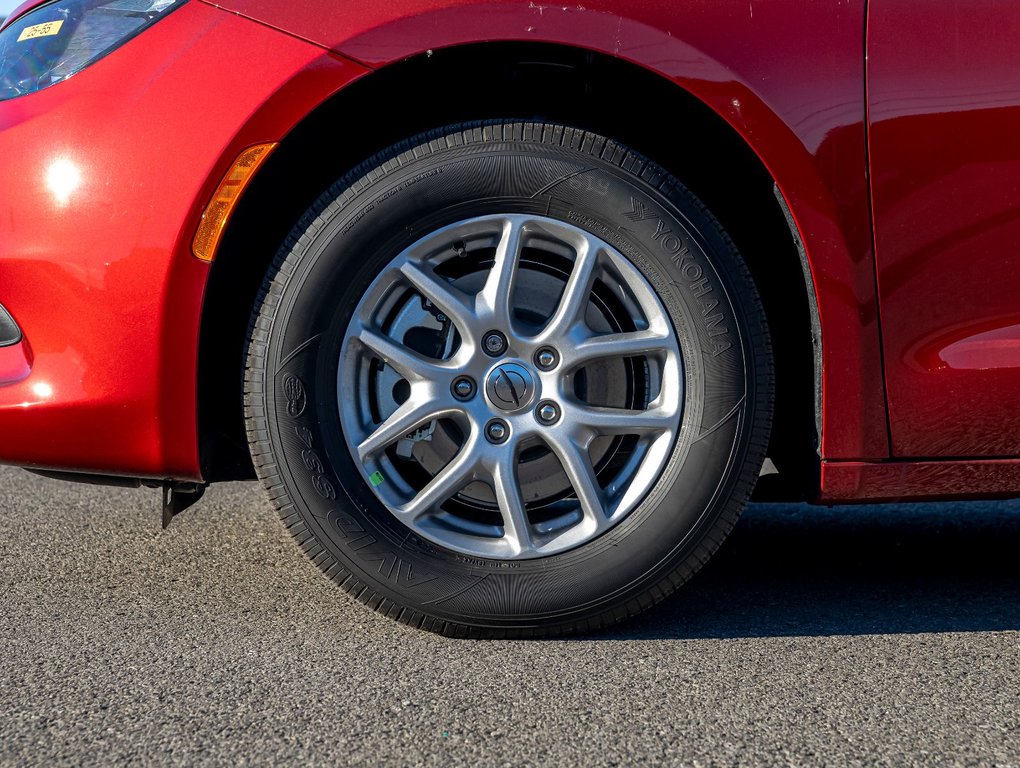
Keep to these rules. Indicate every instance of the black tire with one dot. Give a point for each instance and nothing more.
(417, 186)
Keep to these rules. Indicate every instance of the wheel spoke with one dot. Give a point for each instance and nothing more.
(622, 421)
(452, 478)
(576, 293)
(617, 345)
(577, 466)
(517, 530)
(405, 361)
(495, 298)
(452, 302)
(414, 412)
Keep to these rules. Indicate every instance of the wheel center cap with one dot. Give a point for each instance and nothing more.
(510, 387)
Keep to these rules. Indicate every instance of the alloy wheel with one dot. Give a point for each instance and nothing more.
(511, 386)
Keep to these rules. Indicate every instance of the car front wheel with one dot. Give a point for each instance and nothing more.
(509, 379)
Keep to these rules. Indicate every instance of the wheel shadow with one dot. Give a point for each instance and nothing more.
(879, 569)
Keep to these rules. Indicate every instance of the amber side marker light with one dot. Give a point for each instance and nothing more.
(221, 207)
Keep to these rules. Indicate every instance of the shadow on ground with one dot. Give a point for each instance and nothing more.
(883, 569)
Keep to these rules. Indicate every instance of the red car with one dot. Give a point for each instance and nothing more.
(511, 305)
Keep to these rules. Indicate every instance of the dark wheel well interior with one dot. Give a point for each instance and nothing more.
(511, 81)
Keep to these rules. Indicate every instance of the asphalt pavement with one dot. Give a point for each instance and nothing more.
(880, 635)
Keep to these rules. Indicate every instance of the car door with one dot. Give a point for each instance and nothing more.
(944, 116)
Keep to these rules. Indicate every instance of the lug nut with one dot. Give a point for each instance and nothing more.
(547, 413)
(497, 431)
(463, 388)
(495, 343)
(547, 359)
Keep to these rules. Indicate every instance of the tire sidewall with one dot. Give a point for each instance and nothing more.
(375, 213)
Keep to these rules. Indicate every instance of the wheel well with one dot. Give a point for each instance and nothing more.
(566, 85)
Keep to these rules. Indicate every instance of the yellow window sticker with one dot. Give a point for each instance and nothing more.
(48, 29)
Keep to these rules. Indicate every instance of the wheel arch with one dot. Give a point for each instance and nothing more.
(553, 82)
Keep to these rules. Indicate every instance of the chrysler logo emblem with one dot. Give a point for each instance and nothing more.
(510, 387)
